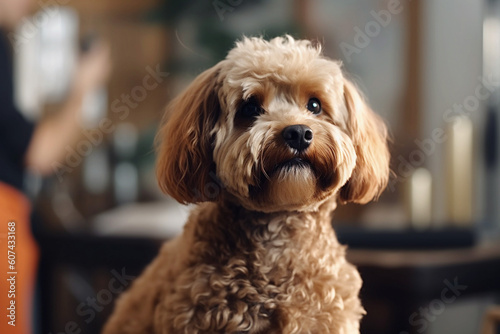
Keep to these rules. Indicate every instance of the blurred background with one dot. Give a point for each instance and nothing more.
(428, 250)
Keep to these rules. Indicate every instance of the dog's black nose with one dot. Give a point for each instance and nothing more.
(298, 137)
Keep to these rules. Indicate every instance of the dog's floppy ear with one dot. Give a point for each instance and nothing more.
(184, 144)
(369, 135)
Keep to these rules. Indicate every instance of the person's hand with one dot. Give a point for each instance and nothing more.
(94, 68)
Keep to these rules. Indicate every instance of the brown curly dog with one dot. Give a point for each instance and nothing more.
(270, 139)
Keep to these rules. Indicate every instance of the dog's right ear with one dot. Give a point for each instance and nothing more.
(184, 144)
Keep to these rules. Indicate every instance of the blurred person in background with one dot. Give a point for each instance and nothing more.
(26, 145)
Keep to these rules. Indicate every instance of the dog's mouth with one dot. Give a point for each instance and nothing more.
(294, 163)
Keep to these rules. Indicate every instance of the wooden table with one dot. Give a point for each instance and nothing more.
(398, 285)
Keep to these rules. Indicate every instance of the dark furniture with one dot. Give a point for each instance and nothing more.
(396, 283)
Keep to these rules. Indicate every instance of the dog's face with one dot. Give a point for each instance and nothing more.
(275, 127)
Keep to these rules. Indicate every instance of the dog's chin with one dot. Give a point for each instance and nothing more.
(292, 185)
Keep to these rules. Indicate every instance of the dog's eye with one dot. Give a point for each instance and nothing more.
(250, 109)
(314, 106)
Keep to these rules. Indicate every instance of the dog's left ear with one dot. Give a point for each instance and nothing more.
(369, 135)
(184, 143)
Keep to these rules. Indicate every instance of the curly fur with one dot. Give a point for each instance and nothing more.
(260, 256)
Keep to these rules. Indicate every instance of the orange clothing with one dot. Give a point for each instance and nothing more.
(17, 277)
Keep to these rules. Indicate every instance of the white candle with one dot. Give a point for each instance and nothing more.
(420, 198)
(459, 171)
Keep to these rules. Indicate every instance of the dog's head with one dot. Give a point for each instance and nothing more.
(275, 126)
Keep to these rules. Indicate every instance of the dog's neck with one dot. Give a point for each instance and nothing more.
(231, 231)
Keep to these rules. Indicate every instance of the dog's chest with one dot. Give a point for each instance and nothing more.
(264, 286)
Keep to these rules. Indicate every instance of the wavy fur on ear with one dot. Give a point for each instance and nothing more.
(184, 143)
(369, 135)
